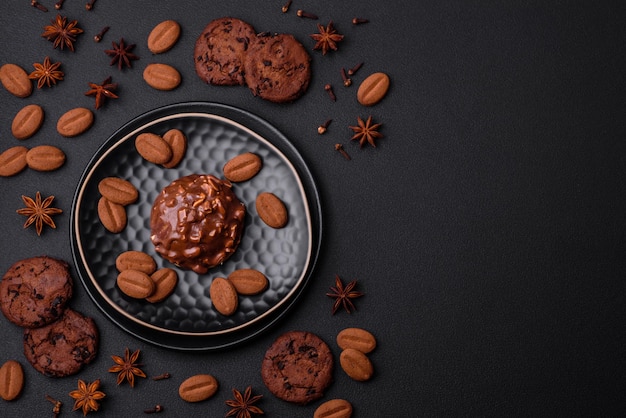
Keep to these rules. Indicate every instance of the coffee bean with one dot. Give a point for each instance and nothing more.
(242, 167)
(248, 281)
(356, 364)
(178, 143)
(161, 76)
(27, 121)
(271, 210)
(165, 281)
(334, 408)
(11, 380)
(74, 122)
(198, 388)
(163, 37)
(356, 338)
(153, 148)
(118, 190)
(15, 79)
(45, 158)
(135, 284)
(373, 89)
(13, 161)
(135, 260)
(224, 296)
(112, 215)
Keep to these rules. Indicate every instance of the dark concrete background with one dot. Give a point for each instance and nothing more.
(486, 228)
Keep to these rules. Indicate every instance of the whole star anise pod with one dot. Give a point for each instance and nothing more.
(47, 73)
(62, 33)
(327, 38)
(102, 91)
(121, 54)
(127, 367)
(87, 396)
(39, 212)
(243, 405)
(343, 295)
(366, 132)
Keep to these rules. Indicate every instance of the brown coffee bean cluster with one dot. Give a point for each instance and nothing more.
(269, 207)
(116, 194)
(162, 38)
(167, 150)
(356, 343)
(27, 123)
(41, 158)
(140, 279)
(29, 120)
(224, 291)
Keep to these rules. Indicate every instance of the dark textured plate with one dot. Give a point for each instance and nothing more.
(186, 320)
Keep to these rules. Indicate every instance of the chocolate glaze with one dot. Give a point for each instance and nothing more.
(197, 222)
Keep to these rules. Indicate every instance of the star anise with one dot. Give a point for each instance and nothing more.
(47, 73)
(102, 91)
(243, 405)
(39, 212)
(127, 367)
(327, 38)
(62, 33)
(87, 396)
(121, 54)
(366, 132)
(343, 295)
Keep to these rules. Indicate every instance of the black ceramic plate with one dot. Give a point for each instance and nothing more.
(187, 320)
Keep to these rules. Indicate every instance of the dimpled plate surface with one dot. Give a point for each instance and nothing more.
(187, 319)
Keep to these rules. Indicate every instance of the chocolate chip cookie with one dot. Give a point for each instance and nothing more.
(298, 367)
(277, 67)
(63, 347)
(35, 291)
(220, 50)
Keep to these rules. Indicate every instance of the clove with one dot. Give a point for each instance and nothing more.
(354, 69)
(302, 13)
(285, 8)
(323, 127)
(331, 94)
(342, 151)
(157, 408)
(57, 405)
(358, 21)
(346, 80)
(38, 5)
(99, 35)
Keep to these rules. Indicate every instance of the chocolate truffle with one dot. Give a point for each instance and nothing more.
(197, 222)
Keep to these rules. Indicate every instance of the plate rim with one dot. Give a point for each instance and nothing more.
(214, 339)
